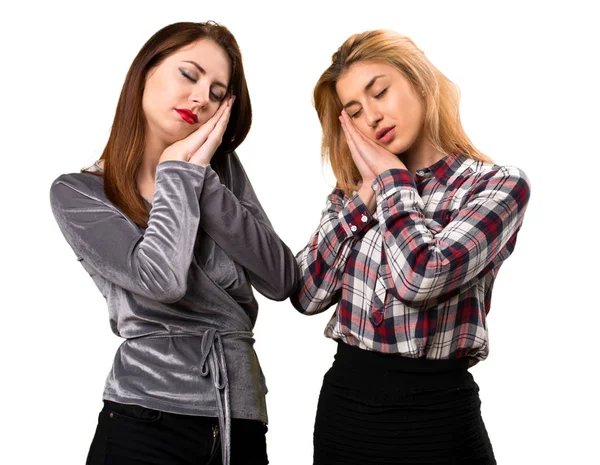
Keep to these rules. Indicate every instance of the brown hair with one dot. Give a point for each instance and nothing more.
(441, 99)
(124, 150)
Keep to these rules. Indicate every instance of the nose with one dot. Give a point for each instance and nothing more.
(372, 116)
(200, 96)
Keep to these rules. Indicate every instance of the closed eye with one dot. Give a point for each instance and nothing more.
(186, 75)
(355, 114)
(191, 78)
(218, 98)
(382, 93)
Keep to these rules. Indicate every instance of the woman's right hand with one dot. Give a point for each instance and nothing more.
(200, 146)
(365, 192)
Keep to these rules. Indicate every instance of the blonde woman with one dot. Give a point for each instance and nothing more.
(408, 248)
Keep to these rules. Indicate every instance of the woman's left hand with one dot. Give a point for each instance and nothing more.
(364, 150)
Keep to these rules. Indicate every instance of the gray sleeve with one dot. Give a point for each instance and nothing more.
(153, 263)
(238, 224)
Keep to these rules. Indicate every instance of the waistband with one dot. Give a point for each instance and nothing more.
(368, 360)
(213, 364)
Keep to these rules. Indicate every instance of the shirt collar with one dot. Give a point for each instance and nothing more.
(443, 169)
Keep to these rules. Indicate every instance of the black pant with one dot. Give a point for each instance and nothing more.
(135, 435)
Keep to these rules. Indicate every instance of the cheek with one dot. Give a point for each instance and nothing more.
(155, 97)
(410, 115)
(167, 92)
(362, 126)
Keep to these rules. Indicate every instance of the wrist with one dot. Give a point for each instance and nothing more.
(367, 196)
(200, 163)
(390, 165)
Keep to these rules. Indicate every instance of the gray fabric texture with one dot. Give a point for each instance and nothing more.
(179, 292)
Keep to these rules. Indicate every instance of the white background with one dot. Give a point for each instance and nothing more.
(529, 79)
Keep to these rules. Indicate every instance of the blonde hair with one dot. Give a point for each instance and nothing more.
(440, 95)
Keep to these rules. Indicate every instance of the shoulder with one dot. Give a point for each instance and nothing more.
(476, 169)
(71, 187)
(496, 180)
(479, 172)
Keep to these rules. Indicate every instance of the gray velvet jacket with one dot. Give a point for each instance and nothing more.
(179, 291)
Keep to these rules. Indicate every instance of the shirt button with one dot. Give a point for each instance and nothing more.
(420, 172)
(364, 218)
(353, 228)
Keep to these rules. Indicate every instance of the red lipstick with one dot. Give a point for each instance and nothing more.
(187, 115)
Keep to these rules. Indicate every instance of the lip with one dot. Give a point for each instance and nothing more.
(187, 115)
(383, 131)
(386, 135)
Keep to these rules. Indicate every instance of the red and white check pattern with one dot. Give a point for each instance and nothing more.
(416, 277)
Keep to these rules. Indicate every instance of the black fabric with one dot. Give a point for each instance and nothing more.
(135, 435)
(377, 409)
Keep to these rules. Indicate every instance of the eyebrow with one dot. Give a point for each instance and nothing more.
(367, 87)
(202, 71)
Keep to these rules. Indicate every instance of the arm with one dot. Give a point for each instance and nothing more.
(323, 260)
(154, 263)
(425, 268)
(238, 224)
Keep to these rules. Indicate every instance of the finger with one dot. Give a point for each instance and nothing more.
(215, 137)
(348, 126)
(221, 126)
(354, 131)
(354, 152)
(363, 157)
(357, 140)
(351, 145)
(214, 119)
(199, 136)
(361, 165)
(360, 140)
(225, 105)
(212, 122)
(363, 144)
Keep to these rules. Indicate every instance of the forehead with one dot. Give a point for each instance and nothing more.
(210, 56)
(353, 81)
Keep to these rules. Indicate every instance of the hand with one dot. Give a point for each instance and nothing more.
(370, 158)
(200, 146)
(366, 173)
(216, 128)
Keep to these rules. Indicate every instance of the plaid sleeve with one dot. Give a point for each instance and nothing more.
(321, 263)
(426, 268)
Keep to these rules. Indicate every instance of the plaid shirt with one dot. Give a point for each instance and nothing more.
(416, 277)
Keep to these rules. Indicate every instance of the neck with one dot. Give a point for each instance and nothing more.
(153, 150)
(421, 154)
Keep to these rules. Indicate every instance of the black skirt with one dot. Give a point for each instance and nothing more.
(377, 409)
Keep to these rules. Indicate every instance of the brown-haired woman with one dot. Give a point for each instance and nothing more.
(408, 248)
(169, 228)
